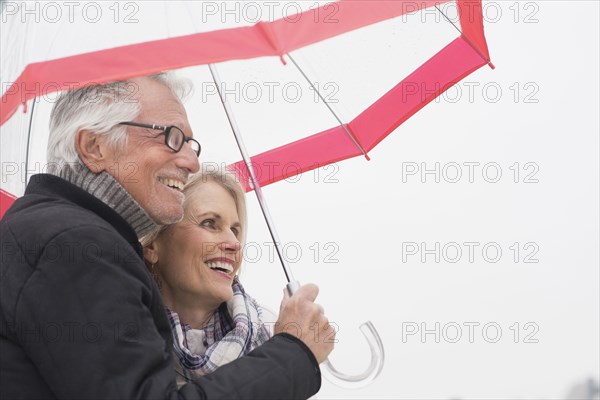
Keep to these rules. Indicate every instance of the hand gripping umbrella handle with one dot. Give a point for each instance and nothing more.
(377, 356)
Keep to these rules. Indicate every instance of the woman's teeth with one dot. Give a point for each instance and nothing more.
(223, 266)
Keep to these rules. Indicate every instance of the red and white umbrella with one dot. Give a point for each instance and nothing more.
(363, 68)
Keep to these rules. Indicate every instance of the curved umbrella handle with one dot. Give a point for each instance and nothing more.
(363, 379)
(377, 356)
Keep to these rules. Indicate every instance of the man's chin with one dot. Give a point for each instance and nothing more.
(167, 217)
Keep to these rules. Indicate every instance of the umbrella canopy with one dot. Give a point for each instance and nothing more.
(50, 48)
(344, 47)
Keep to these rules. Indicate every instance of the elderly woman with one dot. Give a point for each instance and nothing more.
(195, 264)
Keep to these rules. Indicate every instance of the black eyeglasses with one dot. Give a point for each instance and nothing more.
(174, 137)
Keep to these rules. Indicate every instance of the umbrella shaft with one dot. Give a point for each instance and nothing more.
(253, 180)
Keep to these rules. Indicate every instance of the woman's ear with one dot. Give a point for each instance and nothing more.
(91, 150)
(151, 252)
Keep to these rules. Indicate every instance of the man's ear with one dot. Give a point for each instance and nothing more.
(151, 252)
(92, 150)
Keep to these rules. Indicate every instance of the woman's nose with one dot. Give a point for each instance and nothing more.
(230, 243)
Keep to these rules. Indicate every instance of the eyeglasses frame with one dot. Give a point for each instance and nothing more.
(167, 131)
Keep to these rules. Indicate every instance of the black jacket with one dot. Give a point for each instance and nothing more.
(81, 318)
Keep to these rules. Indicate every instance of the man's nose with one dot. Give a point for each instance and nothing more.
(188, 159)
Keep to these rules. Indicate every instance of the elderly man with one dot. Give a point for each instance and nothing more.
(80, 316)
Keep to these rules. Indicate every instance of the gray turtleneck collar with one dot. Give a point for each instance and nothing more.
(106, 188)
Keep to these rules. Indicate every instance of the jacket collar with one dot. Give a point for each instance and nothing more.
(107, 189)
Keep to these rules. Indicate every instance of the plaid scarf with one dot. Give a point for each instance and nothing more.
(234, 329)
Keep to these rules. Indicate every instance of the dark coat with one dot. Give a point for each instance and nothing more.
(81, 318)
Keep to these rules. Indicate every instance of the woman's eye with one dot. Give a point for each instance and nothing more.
(208, 223)
(236, 232)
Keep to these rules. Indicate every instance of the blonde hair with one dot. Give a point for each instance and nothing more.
(228, 181)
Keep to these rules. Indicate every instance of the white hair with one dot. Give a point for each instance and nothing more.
(98, 109)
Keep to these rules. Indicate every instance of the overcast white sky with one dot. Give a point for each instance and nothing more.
(362, 230)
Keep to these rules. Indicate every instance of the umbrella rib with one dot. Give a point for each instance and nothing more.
(29, 140)
(343, 125)
(465, 37)
(253, 180)
(448, 19)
